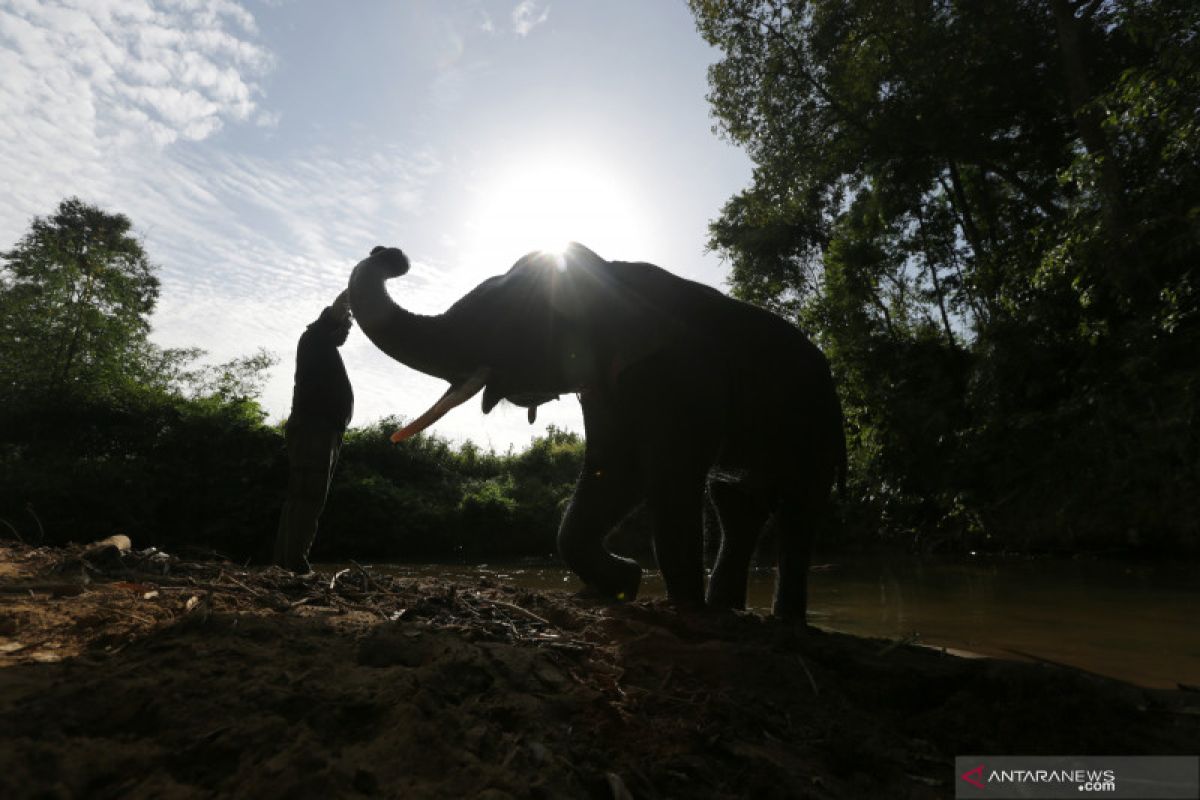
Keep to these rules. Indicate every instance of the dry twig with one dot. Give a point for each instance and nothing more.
(812, 681)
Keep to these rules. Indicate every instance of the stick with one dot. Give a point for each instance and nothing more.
(370, 582)
(41, 530)
(251, 590)
(14, 530)
(912, 638)
(812, 681)
(520, 610)
(333, 581)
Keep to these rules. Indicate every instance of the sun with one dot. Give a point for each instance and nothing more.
(546, 202)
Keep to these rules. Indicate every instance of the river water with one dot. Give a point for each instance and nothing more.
(1134, 622)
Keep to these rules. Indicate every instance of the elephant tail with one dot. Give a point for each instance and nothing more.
(842, 465)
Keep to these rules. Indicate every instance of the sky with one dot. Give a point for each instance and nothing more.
(263, 148)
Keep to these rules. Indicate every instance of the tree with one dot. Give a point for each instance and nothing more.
(989, 214)
(76, 293)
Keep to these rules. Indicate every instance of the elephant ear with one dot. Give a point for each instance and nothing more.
(614, 305)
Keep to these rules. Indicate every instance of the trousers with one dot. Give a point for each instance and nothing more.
(312, 455)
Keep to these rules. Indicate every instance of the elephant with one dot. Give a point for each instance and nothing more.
(684, 391)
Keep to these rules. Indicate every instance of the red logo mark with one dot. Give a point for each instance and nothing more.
(974, 777)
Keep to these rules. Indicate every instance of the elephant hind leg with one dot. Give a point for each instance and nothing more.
(797, 523)
(676, 502)
(742, 517)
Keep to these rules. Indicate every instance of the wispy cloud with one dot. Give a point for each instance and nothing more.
(132, 68)
(527, 15)
(252, 248)
(89, 82)
(486, 25)
(118, 101)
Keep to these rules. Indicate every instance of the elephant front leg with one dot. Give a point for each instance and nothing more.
(603, 497)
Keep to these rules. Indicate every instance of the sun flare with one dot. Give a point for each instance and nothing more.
(544, 204)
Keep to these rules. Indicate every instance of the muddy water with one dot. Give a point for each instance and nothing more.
(1137, 623)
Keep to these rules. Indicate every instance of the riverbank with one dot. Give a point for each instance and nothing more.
(1098, 615)
(144, 675)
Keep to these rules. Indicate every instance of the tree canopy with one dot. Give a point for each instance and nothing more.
(76, 293)
(989, 215)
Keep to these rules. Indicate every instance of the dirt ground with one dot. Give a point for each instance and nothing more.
(141, 675)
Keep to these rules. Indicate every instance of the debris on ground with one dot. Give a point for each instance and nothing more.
(139, 674)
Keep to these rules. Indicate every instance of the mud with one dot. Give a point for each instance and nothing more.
(144, 675)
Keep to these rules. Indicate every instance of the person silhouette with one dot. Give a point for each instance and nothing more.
(322, 405)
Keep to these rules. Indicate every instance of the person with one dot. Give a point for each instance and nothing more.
(322, 405)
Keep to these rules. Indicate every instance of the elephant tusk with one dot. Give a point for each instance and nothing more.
(454, 396)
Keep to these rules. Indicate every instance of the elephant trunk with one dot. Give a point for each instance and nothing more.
(415, 340)
(425, 343)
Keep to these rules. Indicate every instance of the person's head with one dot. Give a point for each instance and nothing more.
(335, 321)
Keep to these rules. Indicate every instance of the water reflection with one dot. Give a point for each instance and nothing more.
(1132, 622)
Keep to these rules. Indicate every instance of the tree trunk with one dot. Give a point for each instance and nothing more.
(1127, 273)
(931, 265)
(75, 332)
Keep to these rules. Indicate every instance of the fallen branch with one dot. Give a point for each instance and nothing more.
(54, 588)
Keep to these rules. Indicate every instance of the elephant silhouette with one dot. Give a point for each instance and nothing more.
(684, 390)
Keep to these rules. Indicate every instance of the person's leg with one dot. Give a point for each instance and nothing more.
(311, 456)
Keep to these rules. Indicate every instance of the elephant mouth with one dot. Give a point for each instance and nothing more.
(455, 396)
(530, 402)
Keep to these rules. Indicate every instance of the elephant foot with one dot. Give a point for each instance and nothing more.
(619, 580)
(298, 566)
(798, 622)
(607, 577)
(690, 608)
(716, 602)
(594, 595)
(725, 612)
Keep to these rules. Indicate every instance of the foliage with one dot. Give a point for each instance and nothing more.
(75, 295)
(101, 431)
(239, 378)
(424, 498)
(989, 215)
(170, 472)
(163, 469)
